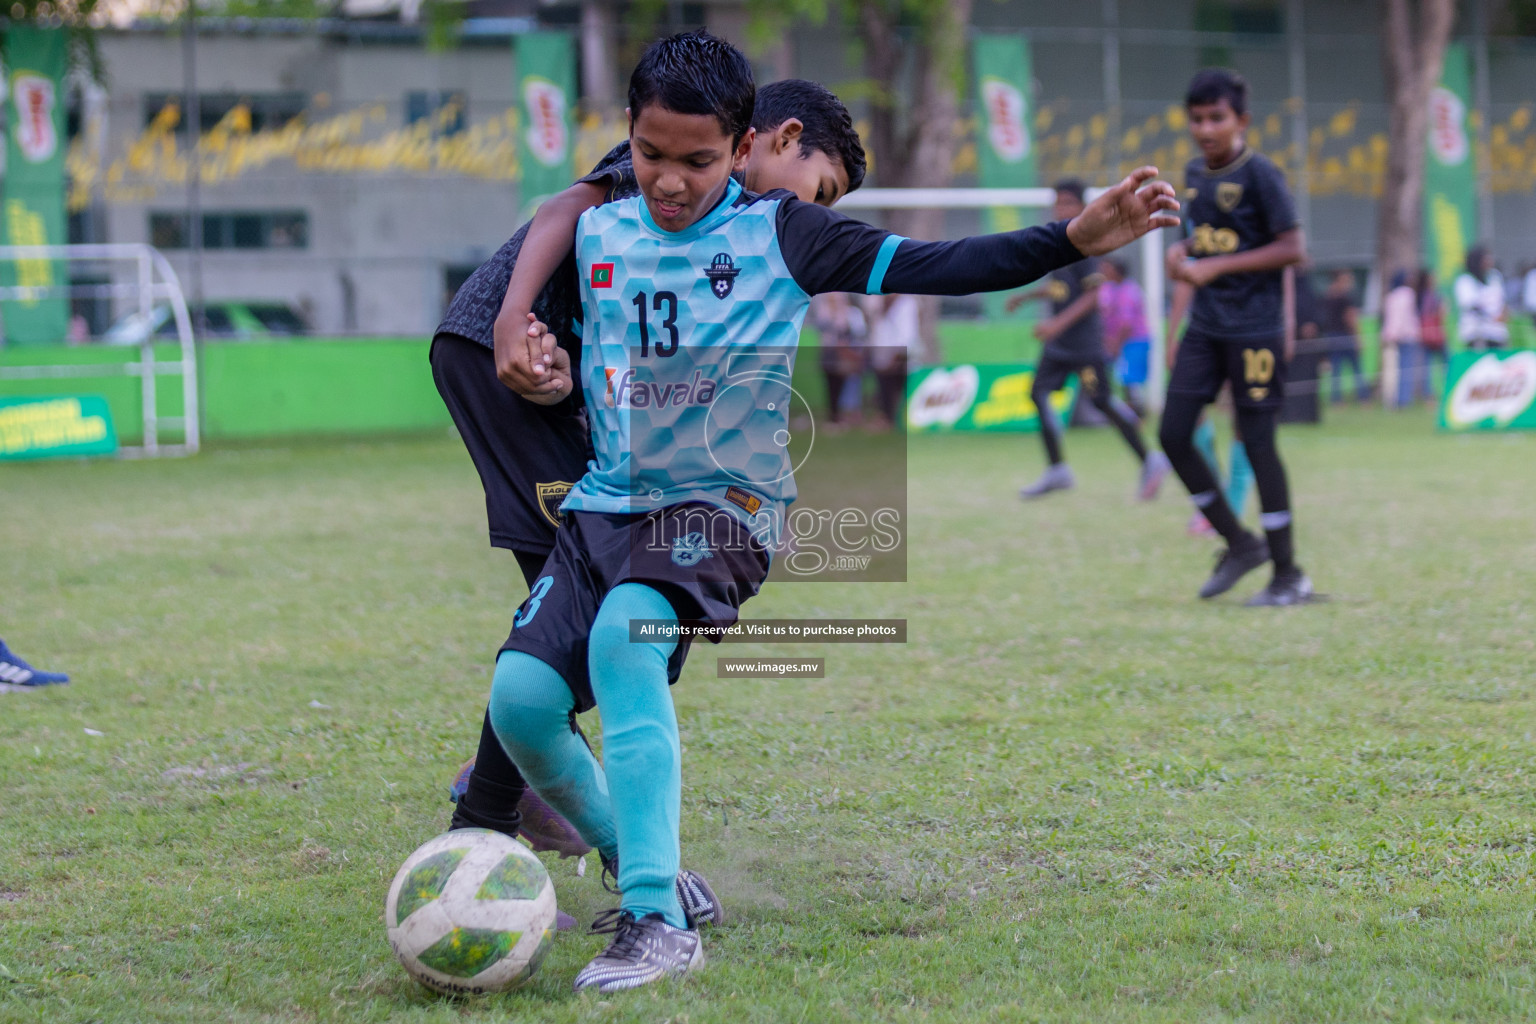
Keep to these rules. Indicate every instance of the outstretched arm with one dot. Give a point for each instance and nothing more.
(828, 252)
(520, 361)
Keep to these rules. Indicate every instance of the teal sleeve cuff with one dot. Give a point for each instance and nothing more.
(882, 264)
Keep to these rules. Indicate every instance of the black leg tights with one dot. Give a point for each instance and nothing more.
(1120, 414)
(1257, 429)
(1050, 423)
(496, 786)
(1177, 436)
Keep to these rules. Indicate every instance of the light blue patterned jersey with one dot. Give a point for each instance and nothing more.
(689, 338)
(687, 355)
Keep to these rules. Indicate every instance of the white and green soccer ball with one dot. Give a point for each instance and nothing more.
(470, 912)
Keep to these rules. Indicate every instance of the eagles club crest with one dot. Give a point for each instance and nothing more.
(550, 496)
(1228, 195)
(722, 274)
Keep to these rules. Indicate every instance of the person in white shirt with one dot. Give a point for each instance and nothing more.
(1528, 290)
(1481, 318)
(1400, 330)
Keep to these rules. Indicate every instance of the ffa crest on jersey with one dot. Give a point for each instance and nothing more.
(550, 497)
(690, 549)
(1228, 195)
(722, 275)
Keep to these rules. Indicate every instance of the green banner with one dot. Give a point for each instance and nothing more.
(32, 202)
(1490, 391)
(546, 90)
(43, 428)
(1004, 133)
(979, 397)
(1450, 175)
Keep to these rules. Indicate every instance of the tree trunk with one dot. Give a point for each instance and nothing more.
(599, 31)
(916, 151)
(1415, 56)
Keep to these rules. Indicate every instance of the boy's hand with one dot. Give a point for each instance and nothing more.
(1046, 330)
(1198, 273)
(1177, 253)
(523, 357)
(1015, 301)
(517, 352)
(549, 366)
(1124, 213)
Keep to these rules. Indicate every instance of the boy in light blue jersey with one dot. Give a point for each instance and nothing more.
(693, 295)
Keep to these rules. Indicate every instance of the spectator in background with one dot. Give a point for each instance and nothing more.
(1341, 326)
(1431, 331)
(1127, 341)
(841, 326)
(1481, 316)
(895, 334)
(16, 672)
(1528, 289)
(1400, 329)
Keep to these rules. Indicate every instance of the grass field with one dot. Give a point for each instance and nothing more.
(1077, 794)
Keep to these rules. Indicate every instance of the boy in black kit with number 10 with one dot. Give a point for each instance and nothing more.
(1242, 234)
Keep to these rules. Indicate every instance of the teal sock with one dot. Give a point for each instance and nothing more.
(1205, 444)
(531, 714)
(641, 752)
(1240, 480)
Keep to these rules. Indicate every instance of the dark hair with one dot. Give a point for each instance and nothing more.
(828, 125)
(1475, 256)
(1399, 279)
(1121, 267)
(1072, 187)
(1213, 85)
(696, 73)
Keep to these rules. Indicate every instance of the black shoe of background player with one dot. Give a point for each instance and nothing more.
(1289, 586)
(1235, 563)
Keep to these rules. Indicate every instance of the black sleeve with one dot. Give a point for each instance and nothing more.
(828, 252)
(1279, 207)
(616, 166)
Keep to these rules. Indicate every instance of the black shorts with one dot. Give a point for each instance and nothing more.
(700, 558)
(1093, 374)
(1254, 366)
(528, 455)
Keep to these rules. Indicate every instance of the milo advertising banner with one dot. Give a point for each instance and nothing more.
(32, 202)
(979, 397)
(42, 428)
(1004, 140)
(1490, 391)
(1450, 176)
(546, 90)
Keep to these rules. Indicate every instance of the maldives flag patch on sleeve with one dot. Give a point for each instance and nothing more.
(602, 275)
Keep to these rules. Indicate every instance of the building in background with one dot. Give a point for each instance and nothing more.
(357, 175)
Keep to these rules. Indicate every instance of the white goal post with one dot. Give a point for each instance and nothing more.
(141, 278)
(1150, 246)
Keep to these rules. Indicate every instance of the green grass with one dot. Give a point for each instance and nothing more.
(1077, 794)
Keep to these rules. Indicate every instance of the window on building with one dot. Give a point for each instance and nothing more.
(267, 110)
(243, 229)
(446, 110)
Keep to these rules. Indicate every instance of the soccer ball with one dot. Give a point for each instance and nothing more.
(471, 911)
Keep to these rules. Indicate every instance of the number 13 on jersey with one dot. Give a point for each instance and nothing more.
(661, 302)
